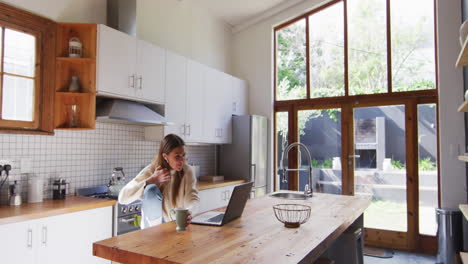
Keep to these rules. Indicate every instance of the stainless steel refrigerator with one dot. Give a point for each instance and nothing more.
(246, 157)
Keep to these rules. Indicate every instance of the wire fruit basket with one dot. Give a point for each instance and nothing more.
(292, 215)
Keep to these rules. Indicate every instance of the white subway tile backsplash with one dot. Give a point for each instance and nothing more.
(86, 158)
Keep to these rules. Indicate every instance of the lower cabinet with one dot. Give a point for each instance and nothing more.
(66, 238)
(214, 198)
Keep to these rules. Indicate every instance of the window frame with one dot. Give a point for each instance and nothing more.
(44, 30)
(347, 97)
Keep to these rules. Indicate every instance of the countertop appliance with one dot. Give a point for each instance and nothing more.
(246, 158)
(125, 216)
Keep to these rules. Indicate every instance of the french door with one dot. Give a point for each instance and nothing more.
(382, 151)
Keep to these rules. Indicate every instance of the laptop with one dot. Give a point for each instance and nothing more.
(239, 197)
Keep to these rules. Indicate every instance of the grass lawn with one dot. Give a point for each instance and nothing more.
(389, 215)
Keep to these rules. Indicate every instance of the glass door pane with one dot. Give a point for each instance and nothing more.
(320, 131)
(427, 148)
(380, 173)
(281, 133)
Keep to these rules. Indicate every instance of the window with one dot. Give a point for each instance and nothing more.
(355, 82)
(383, 47)
(26, 71)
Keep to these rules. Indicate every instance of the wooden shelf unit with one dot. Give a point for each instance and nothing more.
(84, 68)
(464, 257)
(463, 56)
(463, 107)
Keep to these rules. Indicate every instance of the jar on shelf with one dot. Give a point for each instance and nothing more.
(72, 116)
(74, 86)
(75, 48)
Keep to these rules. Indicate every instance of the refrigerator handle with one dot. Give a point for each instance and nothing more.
(254, 174)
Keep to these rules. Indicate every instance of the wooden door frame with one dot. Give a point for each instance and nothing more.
(411, 240)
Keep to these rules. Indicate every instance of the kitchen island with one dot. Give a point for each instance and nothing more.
(256, 237)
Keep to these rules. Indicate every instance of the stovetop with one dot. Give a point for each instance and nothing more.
(103, 196)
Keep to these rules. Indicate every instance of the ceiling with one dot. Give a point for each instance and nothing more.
(239, 13)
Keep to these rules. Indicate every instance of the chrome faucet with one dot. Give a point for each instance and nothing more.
(308, 188)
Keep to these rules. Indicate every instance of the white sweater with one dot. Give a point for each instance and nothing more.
(186, 196)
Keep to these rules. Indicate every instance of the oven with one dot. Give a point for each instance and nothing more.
(125, 217)
(128, 217)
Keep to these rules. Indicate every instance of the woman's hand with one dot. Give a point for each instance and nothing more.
(159, 176)
(189, 218)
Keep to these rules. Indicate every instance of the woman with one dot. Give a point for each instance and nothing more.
(175, 180)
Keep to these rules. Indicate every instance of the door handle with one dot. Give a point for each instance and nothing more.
(140, 86)
(254, 174)
(29, 238)
(188, 133)
(182, 129)
(354, 156)
(44, 235)
(132, 81)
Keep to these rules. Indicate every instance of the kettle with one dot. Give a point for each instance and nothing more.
(117, 181)
(15, 197)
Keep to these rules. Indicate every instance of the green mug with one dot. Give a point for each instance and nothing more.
(180, 216)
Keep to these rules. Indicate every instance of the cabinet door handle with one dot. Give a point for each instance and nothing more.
(188, 133)
(131, 80)
(44, 235)
(254, 173)
(182, 129)
(140, 86)
(234, 107)
(29, 238)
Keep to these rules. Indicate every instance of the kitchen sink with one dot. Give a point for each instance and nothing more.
(290, 195)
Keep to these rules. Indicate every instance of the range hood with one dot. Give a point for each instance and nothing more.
(110, 110)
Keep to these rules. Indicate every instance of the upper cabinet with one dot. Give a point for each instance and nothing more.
(176, 81)
(129, 68)
(185, 98)
(239, 96)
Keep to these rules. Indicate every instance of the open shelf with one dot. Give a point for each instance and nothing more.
(464, 257)
(463, 158)
(70, 94)
(84, 68)
(463, 56)
(85, 32)
(86, 73)
(86, 104)
(76, 60)
(463, 107)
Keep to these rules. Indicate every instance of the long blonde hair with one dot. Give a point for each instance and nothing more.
(169, 143)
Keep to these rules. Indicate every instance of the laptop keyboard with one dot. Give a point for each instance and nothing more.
(216, 219)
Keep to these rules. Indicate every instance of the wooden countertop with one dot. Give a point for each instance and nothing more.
(30, 211)
(256, 237)
(201, 185)
(464, 210)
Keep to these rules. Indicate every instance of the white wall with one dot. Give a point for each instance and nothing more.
(452, 129)
(77, 11)
(186, 29)
(253, 61)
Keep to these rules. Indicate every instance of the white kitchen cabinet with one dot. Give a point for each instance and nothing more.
(150, 72)
(57, 239)
(194, 101)
(116, 64)
(218, 107)
(214, 198)
(176, 81)
(184, 94)
(18, 242)
(239, 96)
(129, 68)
